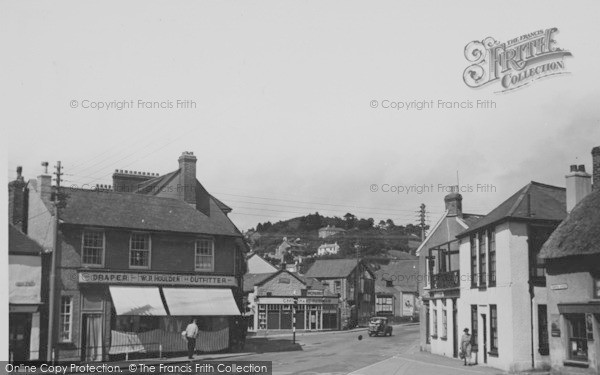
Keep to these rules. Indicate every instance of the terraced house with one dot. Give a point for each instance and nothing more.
(135, 261)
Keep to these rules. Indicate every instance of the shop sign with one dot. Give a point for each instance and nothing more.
(301, 301)
(126, 278)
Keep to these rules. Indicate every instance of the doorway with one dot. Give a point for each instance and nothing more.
(19, 333)
(91, 338)
(484, 327)
(455, 327)
(313, 320)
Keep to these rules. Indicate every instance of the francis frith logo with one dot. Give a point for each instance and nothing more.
(515, 63)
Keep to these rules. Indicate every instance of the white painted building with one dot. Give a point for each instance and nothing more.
(503, 285)
(328, 249)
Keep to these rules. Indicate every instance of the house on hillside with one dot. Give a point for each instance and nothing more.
(572, 256)
(352, 280)
(328, 249)
(504, 301)
(396, 289)
(288, 247)
(135, 262)
(330, 230)
(439, 279)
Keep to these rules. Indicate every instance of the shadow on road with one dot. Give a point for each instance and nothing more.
(270, 345)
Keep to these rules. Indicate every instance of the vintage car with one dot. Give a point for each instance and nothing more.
(379, 325)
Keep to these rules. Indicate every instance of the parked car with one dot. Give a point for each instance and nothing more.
(379, 325)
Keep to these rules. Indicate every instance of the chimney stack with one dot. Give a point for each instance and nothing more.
(17, 202)
(454, 203)
(44, 182)
(187, 177)
(596, 167)
(578, 185)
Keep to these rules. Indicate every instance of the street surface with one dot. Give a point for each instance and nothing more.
(342, 353)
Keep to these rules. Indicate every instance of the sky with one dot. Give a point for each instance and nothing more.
(284, 122)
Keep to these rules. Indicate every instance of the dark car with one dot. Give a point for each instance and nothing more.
(379, 325)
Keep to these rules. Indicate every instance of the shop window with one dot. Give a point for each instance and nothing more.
(597, 287)
(205, 255)
(577, 337)
(492, 262)
(494, 329)
(66, 319)
(92, 249)
(544, 345)
(139, 250)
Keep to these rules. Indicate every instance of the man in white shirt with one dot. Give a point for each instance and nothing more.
(191, 332)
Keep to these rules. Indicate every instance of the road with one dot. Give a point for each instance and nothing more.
(339, 353)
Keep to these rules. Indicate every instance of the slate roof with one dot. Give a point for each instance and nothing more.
(402, 255)
(143, 212)
(252, 279)
(403, 274)
(545, 202)
(332, 268)
(579, 233)
(20, 244)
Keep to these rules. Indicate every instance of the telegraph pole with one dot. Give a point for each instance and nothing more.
(52, 293)
(357, 281)
(294, 320)
(422, 213)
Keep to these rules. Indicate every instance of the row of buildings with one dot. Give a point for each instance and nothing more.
(98, 274)
(524, 278)
(331, 295)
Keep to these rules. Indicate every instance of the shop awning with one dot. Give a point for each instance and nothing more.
(200, 302)
(139, 300)
(579, 308)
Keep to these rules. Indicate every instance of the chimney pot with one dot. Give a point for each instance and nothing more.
(578, 185)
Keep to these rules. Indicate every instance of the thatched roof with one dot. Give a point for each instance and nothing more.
(579, 233)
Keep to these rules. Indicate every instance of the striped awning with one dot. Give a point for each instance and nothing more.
(200, 302)
(138, 300)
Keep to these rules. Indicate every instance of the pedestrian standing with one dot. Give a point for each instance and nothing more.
(191, 332)
(466, 346)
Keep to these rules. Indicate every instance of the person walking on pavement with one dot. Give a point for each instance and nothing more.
(466, 346)
(191, 332)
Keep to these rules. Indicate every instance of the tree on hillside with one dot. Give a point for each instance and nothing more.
(350, 220)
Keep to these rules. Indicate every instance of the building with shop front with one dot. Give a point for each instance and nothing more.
(26, 309)
(439, 279)
(136, 262)
(353, 281)
(396, 289)
(503, 299)
(572, 255)
(273, 298)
